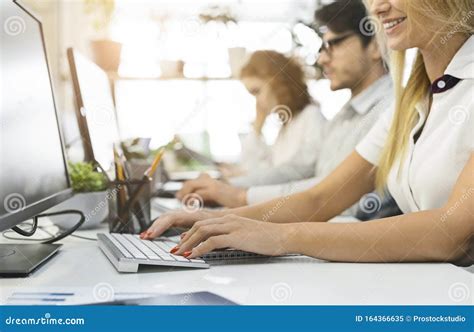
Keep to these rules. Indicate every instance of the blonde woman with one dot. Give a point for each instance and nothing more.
(423, 151)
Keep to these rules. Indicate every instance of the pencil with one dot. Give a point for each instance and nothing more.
(122, 194)
(154, 165)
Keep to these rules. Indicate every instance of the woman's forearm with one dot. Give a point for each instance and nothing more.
(296, 207)
(336, 193)
(415, 237)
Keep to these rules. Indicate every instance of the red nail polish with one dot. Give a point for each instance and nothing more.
(175, 249)
(187, 253)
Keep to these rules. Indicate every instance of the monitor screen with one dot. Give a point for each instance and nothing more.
(32, 164)
(96, 109)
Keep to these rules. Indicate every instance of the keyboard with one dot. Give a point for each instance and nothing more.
(127, 252)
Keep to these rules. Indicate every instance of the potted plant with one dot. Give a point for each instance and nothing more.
(106, 52)
(225, 18)
(90, 197)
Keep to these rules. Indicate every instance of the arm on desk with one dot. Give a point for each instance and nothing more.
(291, 171)
(331, 196)
(353, 178)
(441, 235)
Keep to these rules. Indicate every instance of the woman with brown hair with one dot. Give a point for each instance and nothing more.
(278, 84)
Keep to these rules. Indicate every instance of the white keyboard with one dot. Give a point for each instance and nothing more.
(127, 251)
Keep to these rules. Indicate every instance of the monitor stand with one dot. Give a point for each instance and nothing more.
(19, 260)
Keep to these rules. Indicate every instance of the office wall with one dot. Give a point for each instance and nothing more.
(66, 24)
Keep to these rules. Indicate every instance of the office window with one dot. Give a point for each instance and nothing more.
(162, 108)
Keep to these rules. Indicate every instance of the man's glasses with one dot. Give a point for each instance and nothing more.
(328, 45)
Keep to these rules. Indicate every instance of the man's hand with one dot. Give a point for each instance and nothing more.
(214, 191)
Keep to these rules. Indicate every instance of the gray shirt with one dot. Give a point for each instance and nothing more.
(338, 139)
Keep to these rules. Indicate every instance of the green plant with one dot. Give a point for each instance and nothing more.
(217, 14)
(85, 179)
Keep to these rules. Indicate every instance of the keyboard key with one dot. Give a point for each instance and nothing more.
(141, 246)
(118, 246)
(196, 260)
(129, 246)
(159, 251)
(158, 248)
(180, 258)
(166, 245)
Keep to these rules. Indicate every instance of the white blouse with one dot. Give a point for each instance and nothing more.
(433, 164)
(300, 135)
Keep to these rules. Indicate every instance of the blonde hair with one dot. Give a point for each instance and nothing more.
(453, 17)
(284, 75)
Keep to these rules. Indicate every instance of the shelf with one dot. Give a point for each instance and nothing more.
(115, 77)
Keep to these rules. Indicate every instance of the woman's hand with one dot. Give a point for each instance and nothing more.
(175, 219)
(260, 118)
(234, 232)
(266, 101)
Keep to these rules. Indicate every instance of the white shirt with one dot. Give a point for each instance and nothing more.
(302, 130)
(339, 138)
(432, 164)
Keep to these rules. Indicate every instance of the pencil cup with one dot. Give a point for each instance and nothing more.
(129, 206)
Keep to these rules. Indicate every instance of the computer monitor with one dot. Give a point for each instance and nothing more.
(33, 171)
(95, 109)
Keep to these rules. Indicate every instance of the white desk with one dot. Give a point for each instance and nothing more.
(292, 280)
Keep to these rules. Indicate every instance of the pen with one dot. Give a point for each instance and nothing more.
(156, 161)
(135, 204)
(122, 195)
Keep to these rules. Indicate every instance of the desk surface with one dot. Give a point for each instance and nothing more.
(291, 280)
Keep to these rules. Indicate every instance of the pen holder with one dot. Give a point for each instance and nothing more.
(129, 206)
